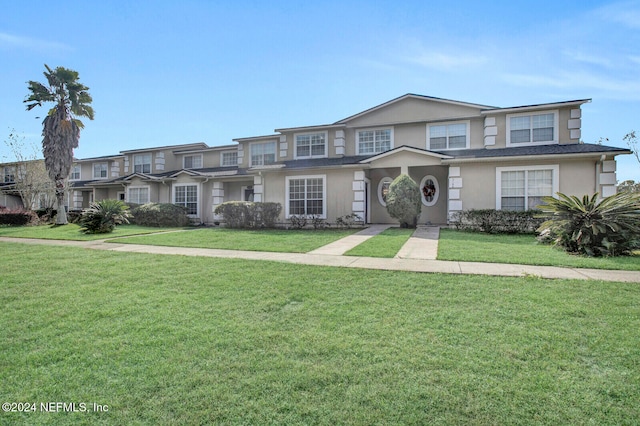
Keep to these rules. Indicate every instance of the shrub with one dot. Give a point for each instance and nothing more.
(498, 221)
(245, 214)
(160, 215)
(317, 222)
(347, 221)
(17, 217)
(298, 222)
(403, 201)
(595, 227)
(103, 216)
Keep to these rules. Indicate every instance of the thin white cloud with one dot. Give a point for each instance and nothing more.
(13, 41)
(588, 58)
(446, 61)
(584, 81)
(626, 13)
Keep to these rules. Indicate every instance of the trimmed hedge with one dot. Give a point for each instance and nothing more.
(246, 214)
(17, 217)
(498, 221)
(159, 215)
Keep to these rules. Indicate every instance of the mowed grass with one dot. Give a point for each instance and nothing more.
(385, 244)
(273, 240)
(72, 232)
(186, 340)
(520, 249)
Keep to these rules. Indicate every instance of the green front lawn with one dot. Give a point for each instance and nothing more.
(385, 244)
(72, 232)
(187, 340)
(274, 240)
(520, 249)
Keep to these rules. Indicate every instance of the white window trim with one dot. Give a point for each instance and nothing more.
(9, 171)
(392, 143)
(295, 146)
(222, 158)
(556, 128)
(275, 144)
(184, 159)
(128, 198)
(447, 123)
(142, 164)
(379, 192)
(555, 168)
(437, 194)
(79, 174)
(324, 193)
(198, 196)
(93, 171)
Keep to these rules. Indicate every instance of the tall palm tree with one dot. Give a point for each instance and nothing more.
(61, 128)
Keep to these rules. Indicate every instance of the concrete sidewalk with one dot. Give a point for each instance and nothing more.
(343, 245)
(423, 244)
(396, 264)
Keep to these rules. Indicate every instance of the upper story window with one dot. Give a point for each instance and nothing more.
(192, 161)
(263, 154)
(75, 172)
(100, 170)
(374, 141)
(229, 158)
(9, 174)
(311, 145)
(142, 163)
(448, 136)
(528, 129)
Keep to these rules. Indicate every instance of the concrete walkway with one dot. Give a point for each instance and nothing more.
(423, 244)
(343, 245)
(396, 264)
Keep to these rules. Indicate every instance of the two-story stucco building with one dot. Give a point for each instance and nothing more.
(462, 155)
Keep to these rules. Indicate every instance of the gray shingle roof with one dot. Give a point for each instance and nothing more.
(557, 149)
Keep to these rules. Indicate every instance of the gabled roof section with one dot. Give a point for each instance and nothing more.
(197, 145)
(576, 102)
(413, 96)
(405, 148)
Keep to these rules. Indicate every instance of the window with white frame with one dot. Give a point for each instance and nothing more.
(75, 172)
(263, 154)
(9, 174)
(374, 141)
(522, 188)
(142, 163)
(186, 195)
(138, 194)
(527, 129)
(306, 196)
(311, 145)
(100, 170)
(448, 136)
(192, 161)
(229, 158)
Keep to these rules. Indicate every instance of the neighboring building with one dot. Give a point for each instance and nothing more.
(463, 156)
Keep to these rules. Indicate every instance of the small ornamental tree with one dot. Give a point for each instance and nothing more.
(403, 201)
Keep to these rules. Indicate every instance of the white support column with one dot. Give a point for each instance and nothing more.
(455, 187)
(338, 142)
(77, 199)
(283, 146)
(217, 197)
(358, 186)
(258, 189)
(607, 178)
(159, 163)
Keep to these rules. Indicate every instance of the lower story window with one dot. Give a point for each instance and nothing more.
(306, 196)
(139, 195)
(186, 196)
(523, 188)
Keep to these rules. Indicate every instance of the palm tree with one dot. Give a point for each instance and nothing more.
(61, 128)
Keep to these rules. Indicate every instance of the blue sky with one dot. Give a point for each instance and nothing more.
(173, 72)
